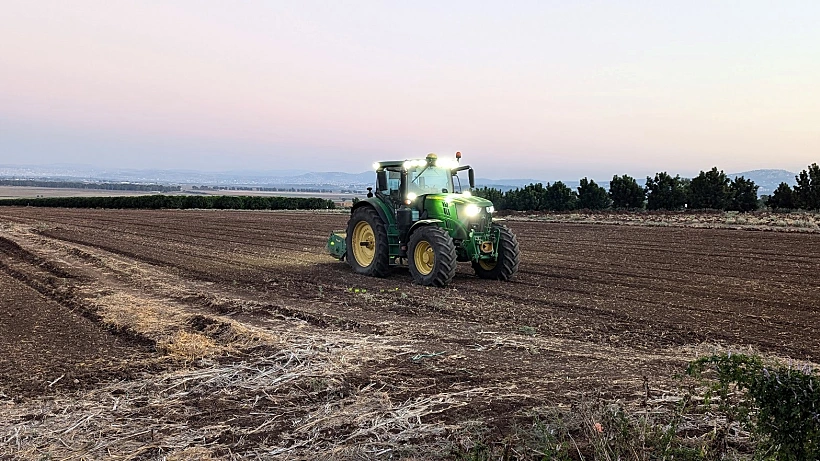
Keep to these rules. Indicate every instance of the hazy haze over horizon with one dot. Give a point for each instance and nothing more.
(536, 89)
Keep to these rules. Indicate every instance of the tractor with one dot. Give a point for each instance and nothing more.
(417, 217)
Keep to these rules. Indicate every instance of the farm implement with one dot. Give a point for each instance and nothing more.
(416, 217)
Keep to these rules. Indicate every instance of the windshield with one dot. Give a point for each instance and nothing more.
(429, 180)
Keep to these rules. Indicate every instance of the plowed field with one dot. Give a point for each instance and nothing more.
(206, 333)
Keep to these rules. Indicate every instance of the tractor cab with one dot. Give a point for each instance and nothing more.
(406, 180)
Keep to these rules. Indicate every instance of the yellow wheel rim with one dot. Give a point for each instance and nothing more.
(424, 258)
(364, 243)
(486, 265)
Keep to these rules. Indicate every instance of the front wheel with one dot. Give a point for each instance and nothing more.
(432, 256)
(506, 265)
(367, 244)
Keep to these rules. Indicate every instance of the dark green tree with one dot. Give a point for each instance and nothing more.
(807, 189)
(591, 196)
(663, 192)
(710, 190)
(782, 198)
(492, 194)
(625, 192)
(530, 197)
(743, 193)
(559, 197)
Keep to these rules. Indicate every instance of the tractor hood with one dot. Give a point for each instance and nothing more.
(459, 199)
(466, 206)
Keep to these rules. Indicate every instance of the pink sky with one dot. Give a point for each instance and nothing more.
(547, 90)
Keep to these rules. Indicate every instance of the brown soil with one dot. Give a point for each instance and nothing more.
(89, 294)
(46, 348)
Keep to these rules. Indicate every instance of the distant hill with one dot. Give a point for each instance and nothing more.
(768, 180)
(506, 184)
(65, 172)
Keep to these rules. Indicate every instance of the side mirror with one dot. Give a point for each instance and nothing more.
(381, 180)
(471, 174)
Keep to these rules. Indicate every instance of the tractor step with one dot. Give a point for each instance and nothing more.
(336, 244)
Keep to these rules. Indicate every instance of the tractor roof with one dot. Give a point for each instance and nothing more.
(389, 163)
(431, 159)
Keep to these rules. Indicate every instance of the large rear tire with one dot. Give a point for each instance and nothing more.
(506, 265)
(432, 256)
(367, 246)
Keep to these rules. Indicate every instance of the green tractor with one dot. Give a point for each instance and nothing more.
(416, 217)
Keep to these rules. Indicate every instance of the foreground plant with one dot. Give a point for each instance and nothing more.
(779, 404)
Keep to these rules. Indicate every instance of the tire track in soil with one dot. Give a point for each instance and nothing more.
(49, 341)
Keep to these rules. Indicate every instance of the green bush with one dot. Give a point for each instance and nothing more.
(626, 193)
(780, 404)
(743, 193)
(807, 189)
(664, 192)
(559, 197)
(782, 198)
(591, 196)
(710, 190)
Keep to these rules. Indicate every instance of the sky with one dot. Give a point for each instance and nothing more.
(527, 89)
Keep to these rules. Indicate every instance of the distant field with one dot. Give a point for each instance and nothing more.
(326, 195)
(28, 192)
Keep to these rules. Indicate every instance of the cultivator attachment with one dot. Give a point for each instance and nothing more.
(336, 244)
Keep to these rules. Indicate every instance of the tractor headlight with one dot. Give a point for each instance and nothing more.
(472, 210)
(490, 209)
(411, 196)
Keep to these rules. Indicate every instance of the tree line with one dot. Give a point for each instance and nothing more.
(89, 185)
(804, 195)
(154, 202)
(711, 189)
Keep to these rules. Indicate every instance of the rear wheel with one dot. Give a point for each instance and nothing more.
(432, 256)
(367, 245)
(506, 265)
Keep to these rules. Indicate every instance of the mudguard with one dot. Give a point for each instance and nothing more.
(425, 222)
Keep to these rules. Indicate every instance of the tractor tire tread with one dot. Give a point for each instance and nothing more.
(380, 267)
(509, 258)
(446, 257)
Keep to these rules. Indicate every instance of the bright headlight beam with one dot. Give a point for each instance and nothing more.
(472, 210)
(408, 164)
(411, 196)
